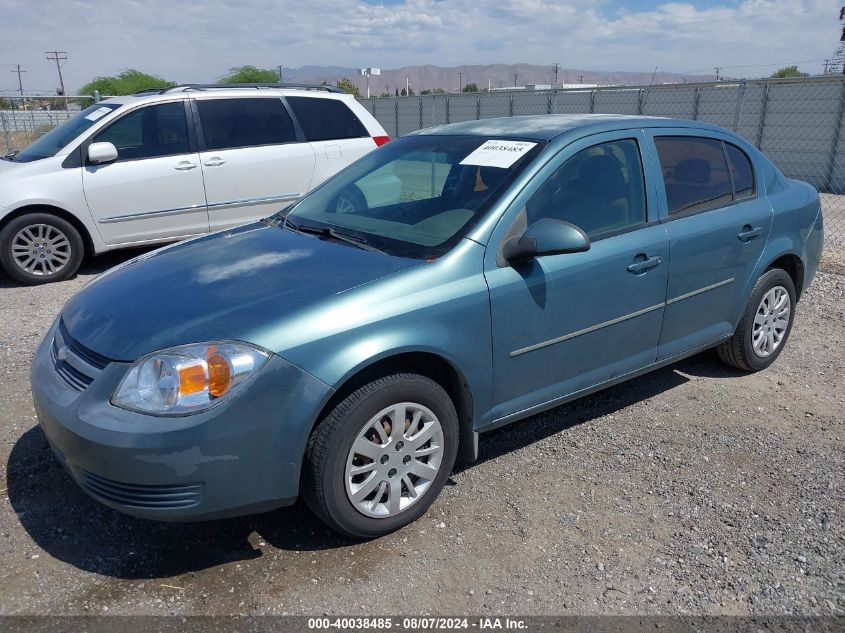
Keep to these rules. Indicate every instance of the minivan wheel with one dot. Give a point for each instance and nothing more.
(379, 459)
(765, 325)
(39, 248)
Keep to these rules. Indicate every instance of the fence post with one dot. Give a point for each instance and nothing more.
(834, 149)
(592, 101)
(510, 106)
(478, 107)
(396, 115)
(740, 94)
(6, 137)
(448, 113)
(763, 106)
(695, 103)
(640, 101)
(421, 113)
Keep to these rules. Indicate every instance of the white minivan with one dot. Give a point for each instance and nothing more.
(165, 165)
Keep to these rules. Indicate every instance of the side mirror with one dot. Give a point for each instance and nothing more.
(545, 237)
(99, 153)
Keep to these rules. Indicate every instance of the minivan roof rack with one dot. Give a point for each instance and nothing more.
(300, 86)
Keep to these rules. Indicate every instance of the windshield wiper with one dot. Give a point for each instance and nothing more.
(331, 233)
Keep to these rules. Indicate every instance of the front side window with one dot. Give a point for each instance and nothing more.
(600, 190)
(234, 123)
(417, 196)
(695, 173)
(326, 119)
(149, 132)
(58, 138)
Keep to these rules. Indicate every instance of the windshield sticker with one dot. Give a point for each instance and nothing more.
(98, 114)
(498, 153)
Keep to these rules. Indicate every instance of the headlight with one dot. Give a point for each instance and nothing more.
(189, 378)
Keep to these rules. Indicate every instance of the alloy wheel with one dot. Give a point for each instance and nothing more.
(771, 321)
(41, 249)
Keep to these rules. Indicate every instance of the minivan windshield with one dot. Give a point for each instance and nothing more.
(417, 196)
(57, 138)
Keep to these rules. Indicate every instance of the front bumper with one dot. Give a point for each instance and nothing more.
(240, 457)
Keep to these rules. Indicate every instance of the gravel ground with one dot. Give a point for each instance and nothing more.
(695, 490)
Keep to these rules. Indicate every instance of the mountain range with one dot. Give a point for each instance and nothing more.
(451, 79)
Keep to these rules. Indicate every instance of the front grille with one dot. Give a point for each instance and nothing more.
(141, 496)
(74, 362)
(91, 357)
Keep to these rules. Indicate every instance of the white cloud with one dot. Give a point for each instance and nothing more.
(191, 40)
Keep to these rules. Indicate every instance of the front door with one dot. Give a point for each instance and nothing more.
(565, 323)
(718, 227)
(253, 163)
(154, 190)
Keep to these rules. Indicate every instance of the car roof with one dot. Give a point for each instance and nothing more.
(182, 92)
(546, 127)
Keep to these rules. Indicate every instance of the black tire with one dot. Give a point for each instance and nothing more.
(350, 200)
(74, 251)
(324, 487)
(738, 351)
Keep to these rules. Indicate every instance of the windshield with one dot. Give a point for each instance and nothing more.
(60, 136)
(416, 196)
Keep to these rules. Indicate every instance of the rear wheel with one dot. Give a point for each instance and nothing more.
(38, 248)
(379, 459)
(765, 325)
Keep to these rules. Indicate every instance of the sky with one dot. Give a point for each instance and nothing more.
(197, 41)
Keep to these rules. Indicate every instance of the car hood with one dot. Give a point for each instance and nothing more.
(231, 285)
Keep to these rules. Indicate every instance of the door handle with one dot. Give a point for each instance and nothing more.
(748, 233)
(643, 265)
(215, 161)
(185, 165)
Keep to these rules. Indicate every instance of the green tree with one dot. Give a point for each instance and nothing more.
(471, 88)
(789, 71)
(5, 104)
(407, 93)
(347, 86)
(126, 83)
(250, 75)
(438, 91)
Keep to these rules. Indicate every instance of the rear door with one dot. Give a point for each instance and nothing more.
(337, 136)
(253, 161)
(154, 190)
(718, 226)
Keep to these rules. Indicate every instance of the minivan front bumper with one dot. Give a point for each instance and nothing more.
(240, 457)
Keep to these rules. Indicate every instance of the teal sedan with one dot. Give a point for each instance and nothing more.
(349, 352)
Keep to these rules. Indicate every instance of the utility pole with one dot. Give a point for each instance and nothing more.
(557, 69)
(19, 72)
(826, 66)
(280, 73)
(581, 79)
(407, 86)
(515, 77)
(58, 57)
(718, 70)
(460, 82)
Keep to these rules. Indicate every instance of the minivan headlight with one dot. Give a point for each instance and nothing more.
(189, 378)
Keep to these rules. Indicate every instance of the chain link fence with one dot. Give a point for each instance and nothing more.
(796, 122)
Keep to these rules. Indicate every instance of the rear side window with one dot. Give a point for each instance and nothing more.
(233, 123)
(326, 119)
(741, 171)
(148, 132)
(695, 173)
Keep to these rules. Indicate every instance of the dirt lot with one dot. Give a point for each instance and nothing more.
(695, 489)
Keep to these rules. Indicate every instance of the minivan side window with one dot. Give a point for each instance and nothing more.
(695, 173)
(600, 189)
(741, 171)
(326, 119)
(148, 132)
(234, 123)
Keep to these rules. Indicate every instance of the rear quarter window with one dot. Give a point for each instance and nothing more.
(326, 119)
(741, 171)
(233, 123)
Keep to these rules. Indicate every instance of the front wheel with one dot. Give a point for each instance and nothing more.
(765, 325)
(38, 248)
(379, 459)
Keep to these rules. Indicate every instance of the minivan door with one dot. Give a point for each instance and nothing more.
(154, 190)
(253, 162)
(718, 226)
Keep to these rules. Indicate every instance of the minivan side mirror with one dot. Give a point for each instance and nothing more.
(99, 153)
(545, 237)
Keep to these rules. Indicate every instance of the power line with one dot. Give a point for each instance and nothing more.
(20, 82)
(58, 57)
